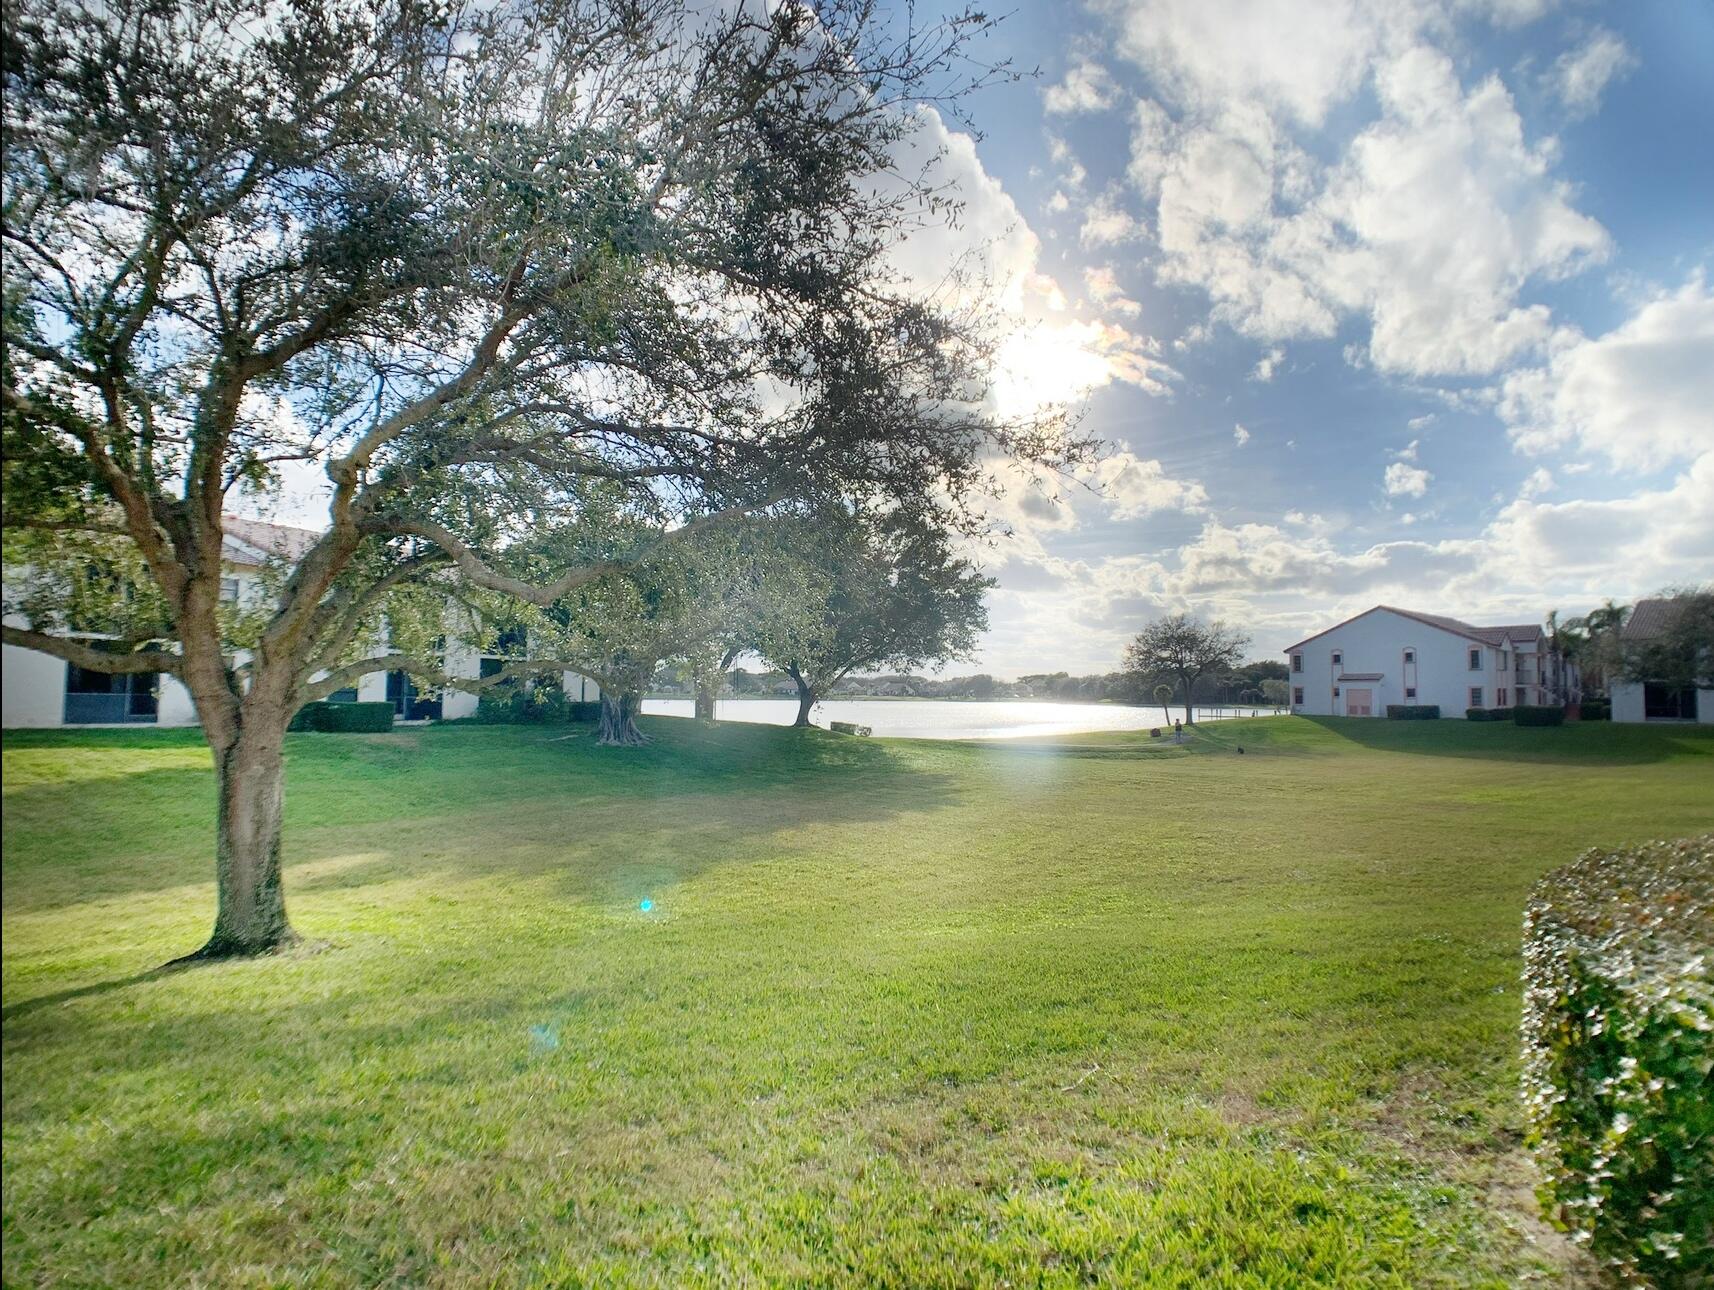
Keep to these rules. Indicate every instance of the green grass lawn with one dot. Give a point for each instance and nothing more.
(904, 1013)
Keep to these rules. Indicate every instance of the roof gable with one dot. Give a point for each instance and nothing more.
(257, 541)
(1498, 636)
(1451, 625)
(1650, 619)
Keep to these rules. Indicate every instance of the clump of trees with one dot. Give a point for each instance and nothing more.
(549, 294)
(1679, 654)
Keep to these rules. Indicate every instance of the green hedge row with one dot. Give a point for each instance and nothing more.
(1596, 710)
(541, 706)
(1488, 714)
(1618, 1042)
(1413, 712)
(1531, 714)
(344, 718)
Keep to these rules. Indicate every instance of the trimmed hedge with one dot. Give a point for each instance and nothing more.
(1532, 714)
(544, 705)
(344, 718)
(1413, 712)
(1487, 714)
(1618, 1042)
(1597, 710)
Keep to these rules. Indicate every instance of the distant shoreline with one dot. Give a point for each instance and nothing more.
(913, 698)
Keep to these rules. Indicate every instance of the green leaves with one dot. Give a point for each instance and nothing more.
(1618, 1032)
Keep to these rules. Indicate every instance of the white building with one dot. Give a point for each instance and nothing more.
(38, 690)
(1389, 656)
(1654, 700)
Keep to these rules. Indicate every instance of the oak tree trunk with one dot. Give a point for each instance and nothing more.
(805, 696)
(619, 720)
(705, 694)
(251, 915)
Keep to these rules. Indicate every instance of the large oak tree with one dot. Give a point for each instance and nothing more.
(886, 591)
(460, 261)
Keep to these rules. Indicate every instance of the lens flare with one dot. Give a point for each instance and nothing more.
(646, 905)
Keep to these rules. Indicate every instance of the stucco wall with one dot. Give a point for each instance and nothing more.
(33, 689)
(1376, 642)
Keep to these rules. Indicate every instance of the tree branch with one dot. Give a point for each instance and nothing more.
(91, 659)
(484, 575)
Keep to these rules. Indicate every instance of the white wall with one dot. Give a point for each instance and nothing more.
(1628, 703)
(32, 686)
(176, 708)
(1376, 642)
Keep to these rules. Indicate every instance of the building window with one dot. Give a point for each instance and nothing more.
(1475, 660)
(1500, 697)
(1505, 662)
(1668, 702)
(1410, 656)
(229, 590)
(1297, 662)
(1410, 691)
(1475, 696)
(347, 695)
(1297, 696)
(1336, 692)
(101, 698)
(1338, 658)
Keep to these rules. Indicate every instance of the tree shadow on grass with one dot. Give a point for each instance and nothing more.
(15, 1011)
(463, 801)
(1584, 743)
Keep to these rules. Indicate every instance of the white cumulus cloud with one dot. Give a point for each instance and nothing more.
(1642, 395)
(1404, 480)
(1087, 87)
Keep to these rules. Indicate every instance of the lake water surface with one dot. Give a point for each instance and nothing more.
(946, 718)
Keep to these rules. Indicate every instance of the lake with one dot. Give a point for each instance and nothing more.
(946, 718)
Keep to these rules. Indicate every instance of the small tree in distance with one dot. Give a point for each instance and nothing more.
(1163, 696)
(1186, 650)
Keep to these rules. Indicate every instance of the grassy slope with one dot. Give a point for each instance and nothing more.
(906, 1012)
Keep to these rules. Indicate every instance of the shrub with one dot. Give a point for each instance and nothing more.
(1597, 710)
(1538, 715)
(1488, 714)
(1618, 1032)
(344, 718)
(541, 705)
(848, 728)
(1413, 712)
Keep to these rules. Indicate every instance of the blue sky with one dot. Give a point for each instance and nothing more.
(1405, 301)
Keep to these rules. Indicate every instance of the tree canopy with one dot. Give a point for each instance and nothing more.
(468, 264)
(1180, 647)
(888, 592)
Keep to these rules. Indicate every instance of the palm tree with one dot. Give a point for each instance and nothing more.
(1163, 696)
